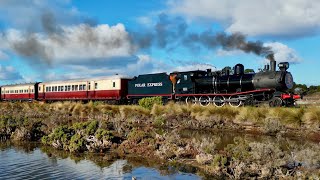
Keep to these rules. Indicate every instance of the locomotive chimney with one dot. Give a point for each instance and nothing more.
(273, 63)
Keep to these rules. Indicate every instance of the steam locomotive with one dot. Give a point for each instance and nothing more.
(219, 87)
(192, 87)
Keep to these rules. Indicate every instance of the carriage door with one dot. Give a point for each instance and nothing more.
(3, 92)
(91, 90)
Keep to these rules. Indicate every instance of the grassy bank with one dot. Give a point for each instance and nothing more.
(127, 130)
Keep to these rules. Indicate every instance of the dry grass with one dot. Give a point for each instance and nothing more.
(171, 115)
(251, 115)
(311, 117)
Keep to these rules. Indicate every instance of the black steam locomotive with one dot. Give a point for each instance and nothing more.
(219, 87)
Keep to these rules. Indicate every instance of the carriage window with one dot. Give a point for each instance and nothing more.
(69, 88)
(84, 87)
(95, 85)
(185, 77)
(55, 88)
(76, 87)
(39, 88)
(27, 90)
(72, 87)
(113, 84)
(80, 87)
(32, 90)
(49, 88)
(62, 88)
(89, 86)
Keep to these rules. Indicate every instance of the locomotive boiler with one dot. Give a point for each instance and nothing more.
(223, 82)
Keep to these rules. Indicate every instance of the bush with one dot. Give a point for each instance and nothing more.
(150, 101)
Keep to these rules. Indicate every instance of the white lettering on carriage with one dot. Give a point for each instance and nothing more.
(140, 85)
(148, 84)
(154, 84)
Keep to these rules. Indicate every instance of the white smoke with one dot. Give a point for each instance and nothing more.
(283, 53)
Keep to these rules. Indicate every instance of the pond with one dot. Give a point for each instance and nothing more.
(31, 161)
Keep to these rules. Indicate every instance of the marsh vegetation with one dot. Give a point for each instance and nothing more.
(155, 132)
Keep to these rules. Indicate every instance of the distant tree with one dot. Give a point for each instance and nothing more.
(248, 71)
(304, 89)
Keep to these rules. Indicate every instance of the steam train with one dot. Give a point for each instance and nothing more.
(192, 87)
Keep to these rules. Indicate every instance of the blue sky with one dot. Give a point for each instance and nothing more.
(66, 39)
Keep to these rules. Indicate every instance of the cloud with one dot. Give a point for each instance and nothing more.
(8, 73)
(222, 52)
(251, 17)
(193, 67)
(31, 14)
(73, 44)
(3, 56)
(130, 66)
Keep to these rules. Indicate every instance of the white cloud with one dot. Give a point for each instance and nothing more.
(8, 73)
(222, 52)
(264, 17)
(193, 67)
(3, 56)
(145, 20)
(141, 64)
(29, 14)
(73, 44)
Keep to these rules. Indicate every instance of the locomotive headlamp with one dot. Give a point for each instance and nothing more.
(283, 66)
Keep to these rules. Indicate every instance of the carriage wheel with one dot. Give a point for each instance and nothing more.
(204, 101)
(234, 101)
(219, 101)
(191, 100)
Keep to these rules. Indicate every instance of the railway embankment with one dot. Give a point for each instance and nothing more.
(156, 133)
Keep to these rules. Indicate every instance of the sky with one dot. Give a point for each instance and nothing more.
(45, 40)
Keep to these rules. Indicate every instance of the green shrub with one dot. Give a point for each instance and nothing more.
(103, 134)
(89, 127)
(77, 143)
(150, 101)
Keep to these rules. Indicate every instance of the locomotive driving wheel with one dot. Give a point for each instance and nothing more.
(191, 100)
(219, 101)
(235, 101)
(276, 102)
(204, 100)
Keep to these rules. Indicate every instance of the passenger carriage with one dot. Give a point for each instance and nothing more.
(19, 92)
(106, 89)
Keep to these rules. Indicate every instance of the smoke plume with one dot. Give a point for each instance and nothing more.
(171, 33)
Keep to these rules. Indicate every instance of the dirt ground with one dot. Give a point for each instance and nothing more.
(313, 99)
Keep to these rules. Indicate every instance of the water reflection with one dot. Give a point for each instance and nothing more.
(29, 161)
